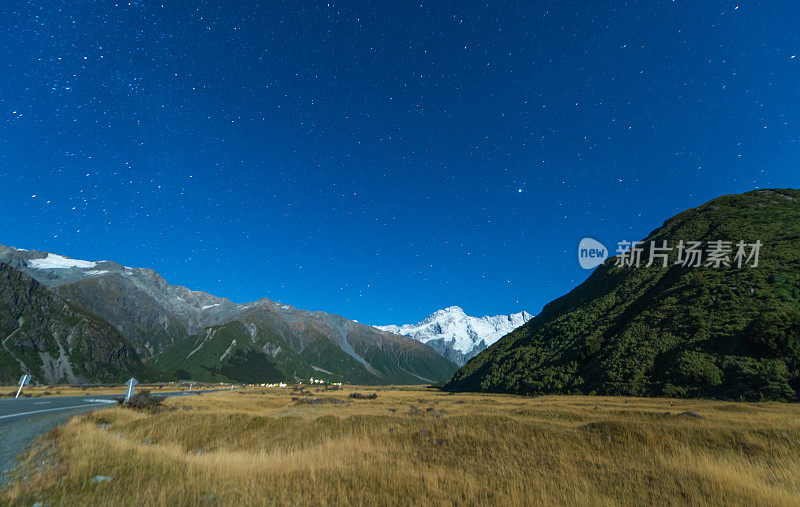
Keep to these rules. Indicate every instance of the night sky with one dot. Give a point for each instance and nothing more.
(383, 160)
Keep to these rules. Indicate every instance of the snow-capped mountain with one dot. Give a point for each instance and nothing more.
(198, 309)
(193, 334)
(458, 336)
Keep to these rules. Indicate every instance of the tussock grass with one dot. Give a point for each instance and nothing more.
(417, 446)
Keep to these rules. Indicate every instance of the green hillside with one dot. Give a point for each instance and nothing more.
(726, 332)
(56, 341)
(221, 353)
(265, 346)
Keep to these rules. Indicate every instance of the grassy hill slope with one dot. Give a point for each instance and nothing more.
(670, 331)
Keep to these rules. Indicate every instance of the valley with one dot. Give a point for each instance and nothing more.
(399, 253)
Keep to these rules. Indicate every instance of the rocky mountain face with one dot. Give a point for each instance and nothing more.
(54, 340)
(458, 336)
(303, 344)
(678, 329)
(197, 335)
(146, 309)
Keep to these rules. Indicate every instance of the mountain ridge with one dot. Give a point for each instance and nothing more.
(160, 318)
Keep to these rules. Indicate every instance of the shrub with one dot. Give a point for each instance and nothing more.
(360, 396)
(142, 401)
(699, 369)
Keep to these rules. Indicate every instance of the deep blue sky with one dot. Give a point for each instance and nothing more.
(383, 160)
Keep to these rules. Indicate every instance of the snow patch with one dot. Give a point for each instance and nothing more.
(53, 261)
(206, 307)
(97, 272)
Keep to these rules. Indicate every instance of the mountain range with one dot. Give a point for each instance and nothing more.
(715, 329)
(458, 336)
(672, 328)
(159, 329)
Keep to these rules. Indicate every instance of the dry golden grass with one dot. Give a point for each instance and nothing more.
(418, 446)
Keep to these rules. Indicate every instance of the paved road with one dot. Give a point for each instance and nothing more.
(12, 409)
(24, 419)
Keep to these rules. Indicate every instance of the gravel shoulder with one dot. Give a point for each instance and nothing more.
(16, 435)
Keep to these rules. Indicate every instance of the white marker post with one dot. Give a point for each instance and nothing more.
(23, 381)
(231, 387)
(130, 383)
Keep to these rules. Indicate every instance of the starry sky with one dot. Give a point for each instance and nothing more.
(382, 160)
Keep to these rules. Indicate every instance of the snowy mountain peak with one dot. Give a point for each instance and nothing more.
(454, 312)
(458, 336)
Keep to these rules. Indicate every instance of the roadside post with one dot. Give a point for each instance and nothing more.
(23, 381)
(130, 383)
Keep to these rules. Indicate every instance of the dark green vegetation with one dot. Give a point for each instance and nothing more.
(676, 331)
(55, 340)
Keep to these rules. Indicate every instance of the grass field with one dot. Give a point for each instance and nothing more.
(418, 446)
